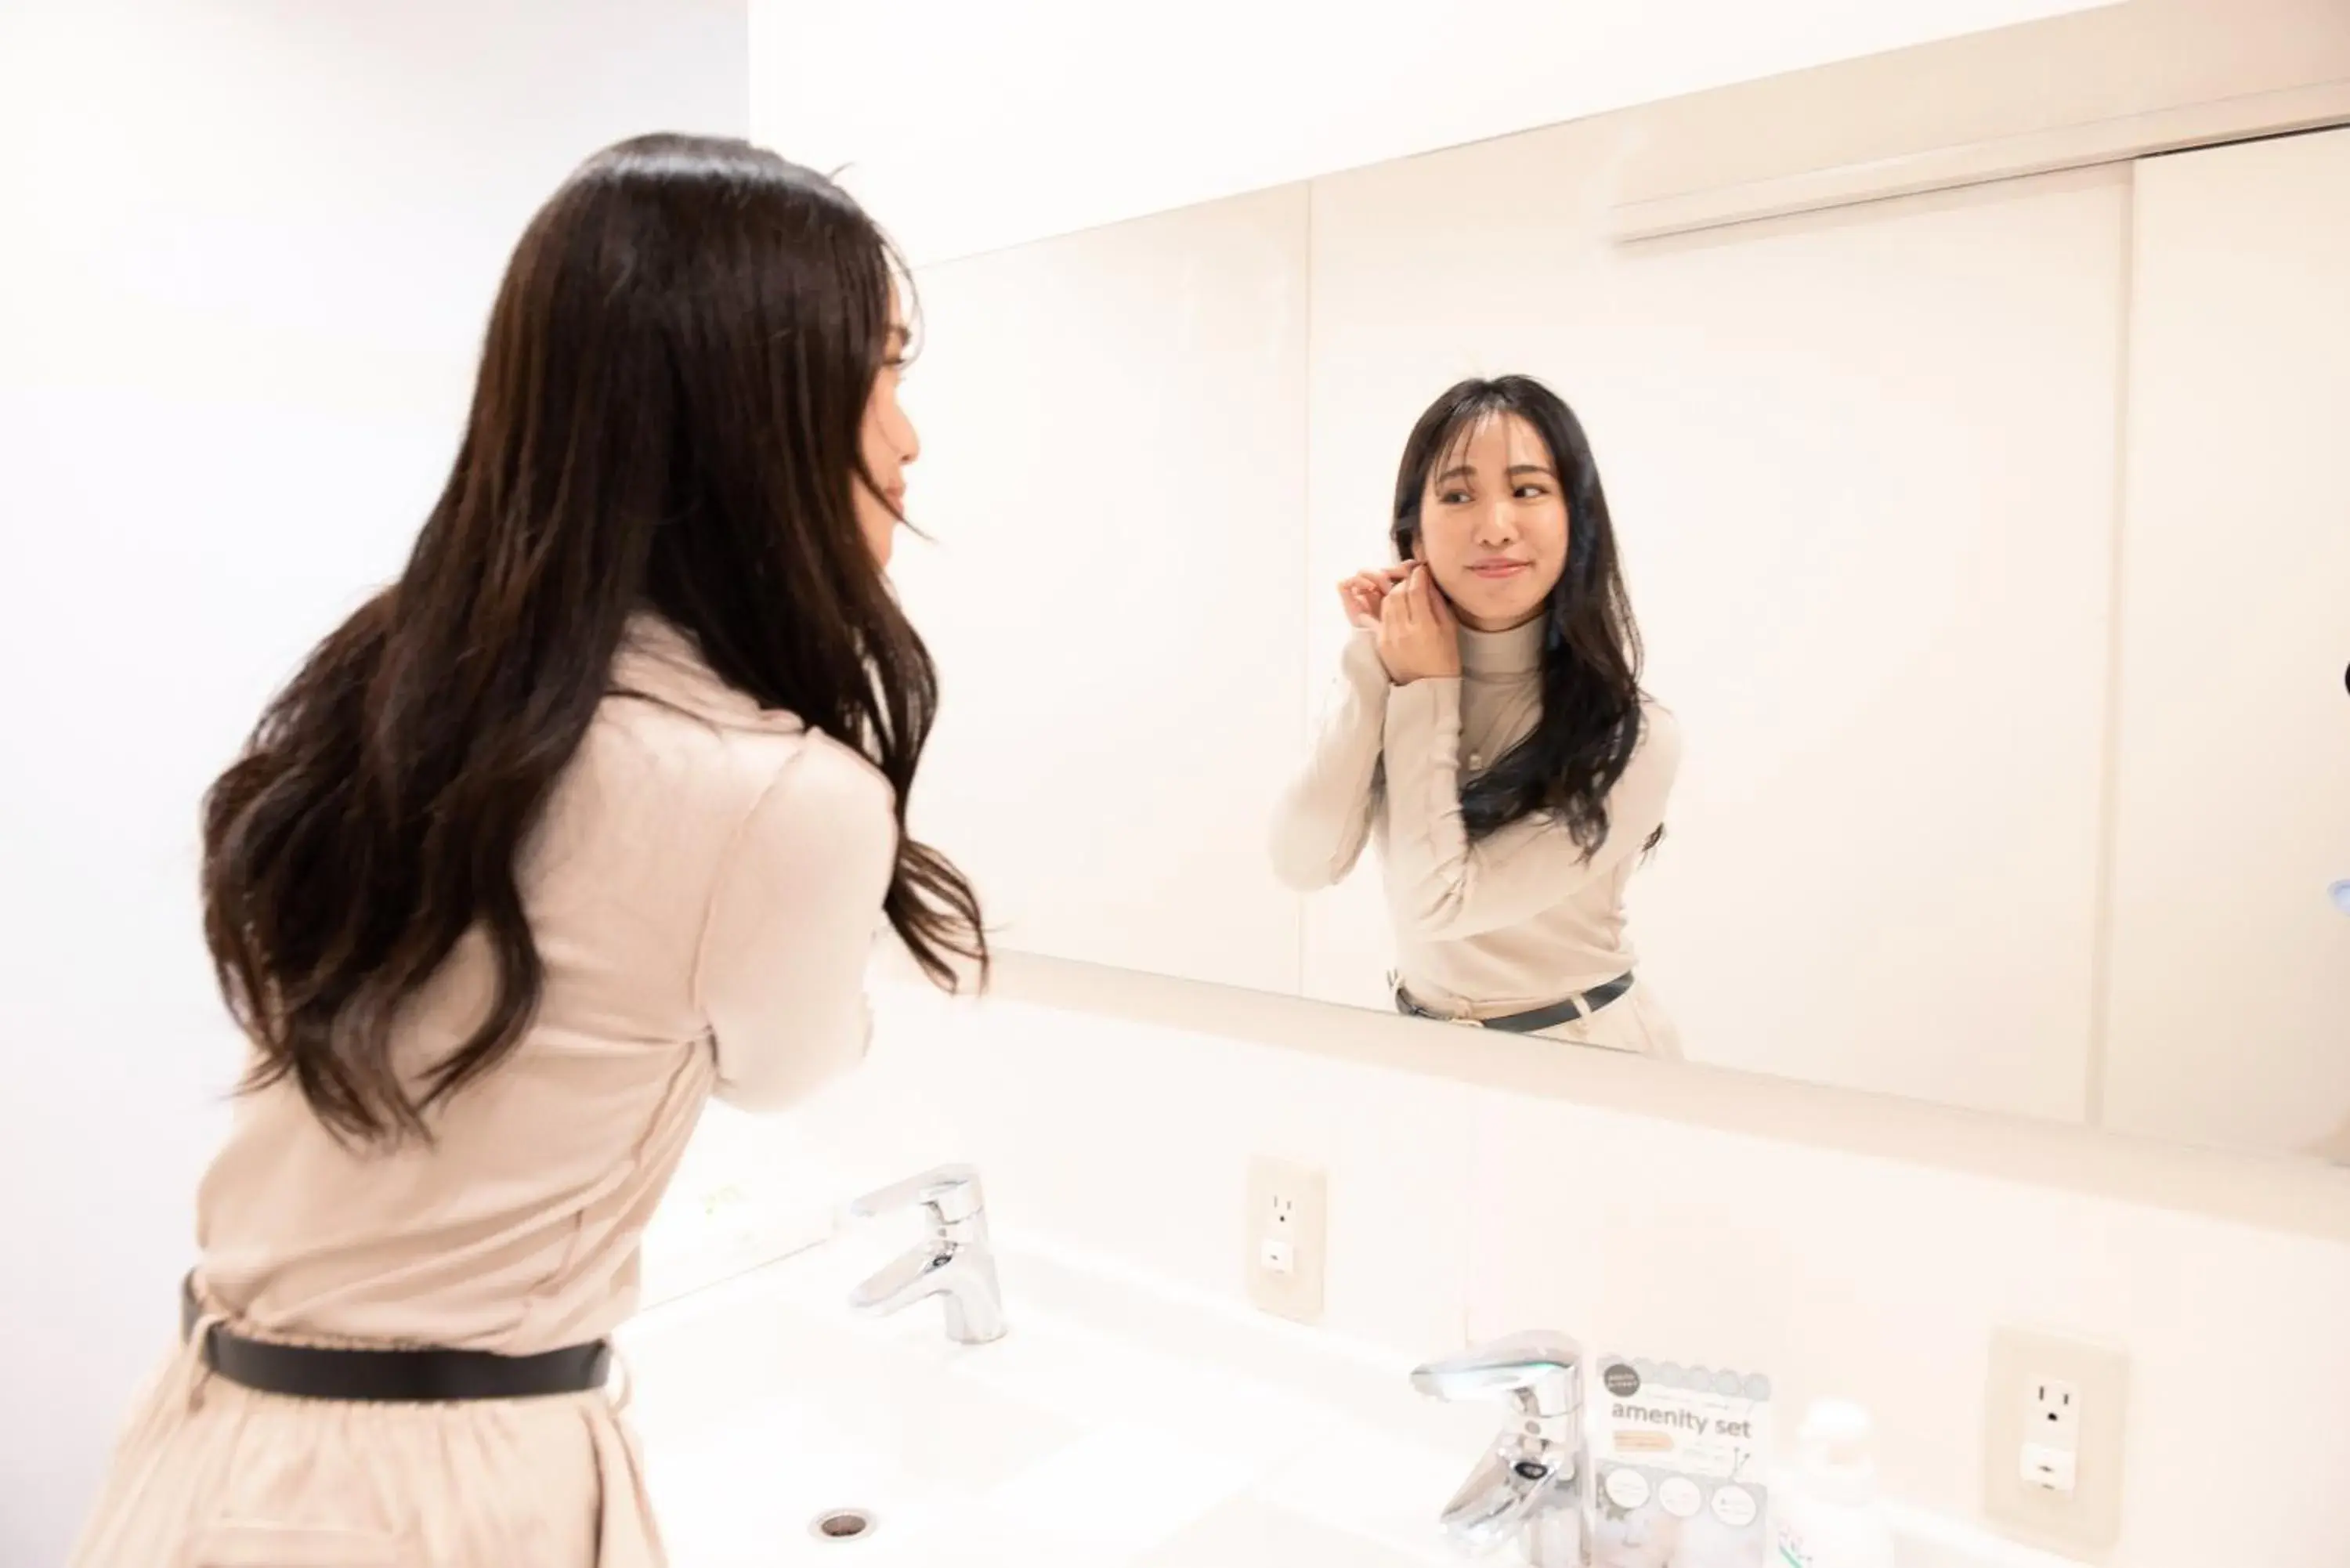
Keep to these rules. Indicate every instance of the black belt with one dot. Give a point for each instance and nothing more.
(402, 1376)
(1535, 1021)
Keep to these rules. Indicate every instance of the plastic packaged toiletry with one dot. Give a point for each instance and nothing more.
(1827, 1513)
(1679, 1465)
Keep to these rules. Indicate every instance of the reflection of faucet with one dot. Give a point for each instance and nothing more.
(1531, 1483)
(955, 1262)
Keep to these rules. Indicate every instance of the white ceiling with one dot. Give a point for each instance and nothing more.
(968, 127)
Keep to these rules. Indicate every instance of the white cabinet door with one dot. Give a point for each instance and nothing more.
(2229, 1005)
(1114, 464)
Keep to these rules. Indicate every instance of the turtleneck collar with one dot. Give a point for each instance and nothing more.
(1517, 651)
(657, 661)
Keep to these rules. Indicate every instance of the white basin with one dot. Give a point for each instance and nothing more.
(1113, 1425)
(1121, 1423)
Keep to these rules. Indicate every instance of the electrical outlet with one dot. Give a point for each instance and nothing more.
(2053, 1421)
(2052, 1410)
(1286, 1238)
(2051, 1456)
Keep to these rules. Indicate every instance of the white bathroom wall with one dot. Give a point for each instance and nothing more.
(249, 250)
(2230, 982)
(969, 128)
(1114, 477)
(1840, 1243)
(1861, 466)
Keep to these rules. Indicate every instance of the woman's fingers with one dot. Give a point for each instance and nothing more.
(1416, 630)
(1363, 594)
(1350, 602)
(1350, 594)
(1440, 608)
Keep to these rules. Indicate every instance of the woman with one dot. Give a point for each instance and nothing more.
(1492, 732)
(593, 814)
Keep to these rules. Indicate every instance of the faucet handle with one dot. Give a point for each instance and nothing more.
(951, 1193)
(1540, 1371)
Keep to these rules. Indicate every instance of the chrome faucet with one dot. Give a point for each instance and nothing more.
(955, 1262)
(1533, 1483)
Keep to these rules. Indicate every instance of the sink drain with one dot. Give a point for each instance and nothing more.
(844, 1525)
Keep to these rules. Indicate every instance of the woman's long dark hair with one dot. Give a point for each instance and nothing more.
(667, 418)
(1590, 720)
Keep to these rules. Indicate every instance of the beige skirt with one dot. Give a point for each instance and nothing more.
(212, 1475)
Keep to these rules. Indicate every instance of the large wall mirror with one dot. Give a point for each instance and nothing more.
(1985, 542)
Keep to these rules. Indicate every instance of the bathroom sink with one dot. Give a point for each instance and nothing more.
(763, 1412)
(1112, 1426)
(1122, 1423)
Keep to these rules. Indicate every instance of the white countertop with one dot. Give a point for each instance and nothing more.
(1123, 1423)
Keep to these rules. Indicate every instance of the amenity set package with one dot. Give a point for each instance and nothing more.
(1681, 1466)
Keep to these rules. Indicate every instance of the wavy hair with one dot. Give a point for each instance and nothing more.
(1590, 721)
(667, 418)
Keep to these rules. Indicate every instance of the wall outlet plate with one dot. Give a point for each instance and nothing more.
(1284, 1241)
(2054, 1410)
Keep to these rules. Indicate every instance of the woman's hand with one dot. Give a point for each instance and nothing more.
(1419, 639)
(1361, 594)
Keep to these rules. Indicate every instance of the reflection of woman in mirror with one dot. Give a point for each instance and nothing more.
(1492, 733)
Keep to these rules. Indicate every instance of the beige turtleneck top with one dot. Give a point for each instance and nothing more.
(1516, 920)
(705, 888)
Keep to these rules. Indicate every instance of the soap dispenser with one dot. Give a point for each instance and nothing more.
(1829, 1515)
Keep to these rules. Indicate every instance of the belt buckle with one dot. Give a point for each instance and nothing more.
(1395, 984)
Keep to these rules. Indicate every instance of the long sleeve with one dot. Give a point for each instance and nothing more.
(1324, 817)
(1445, 888)
(791, 926)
